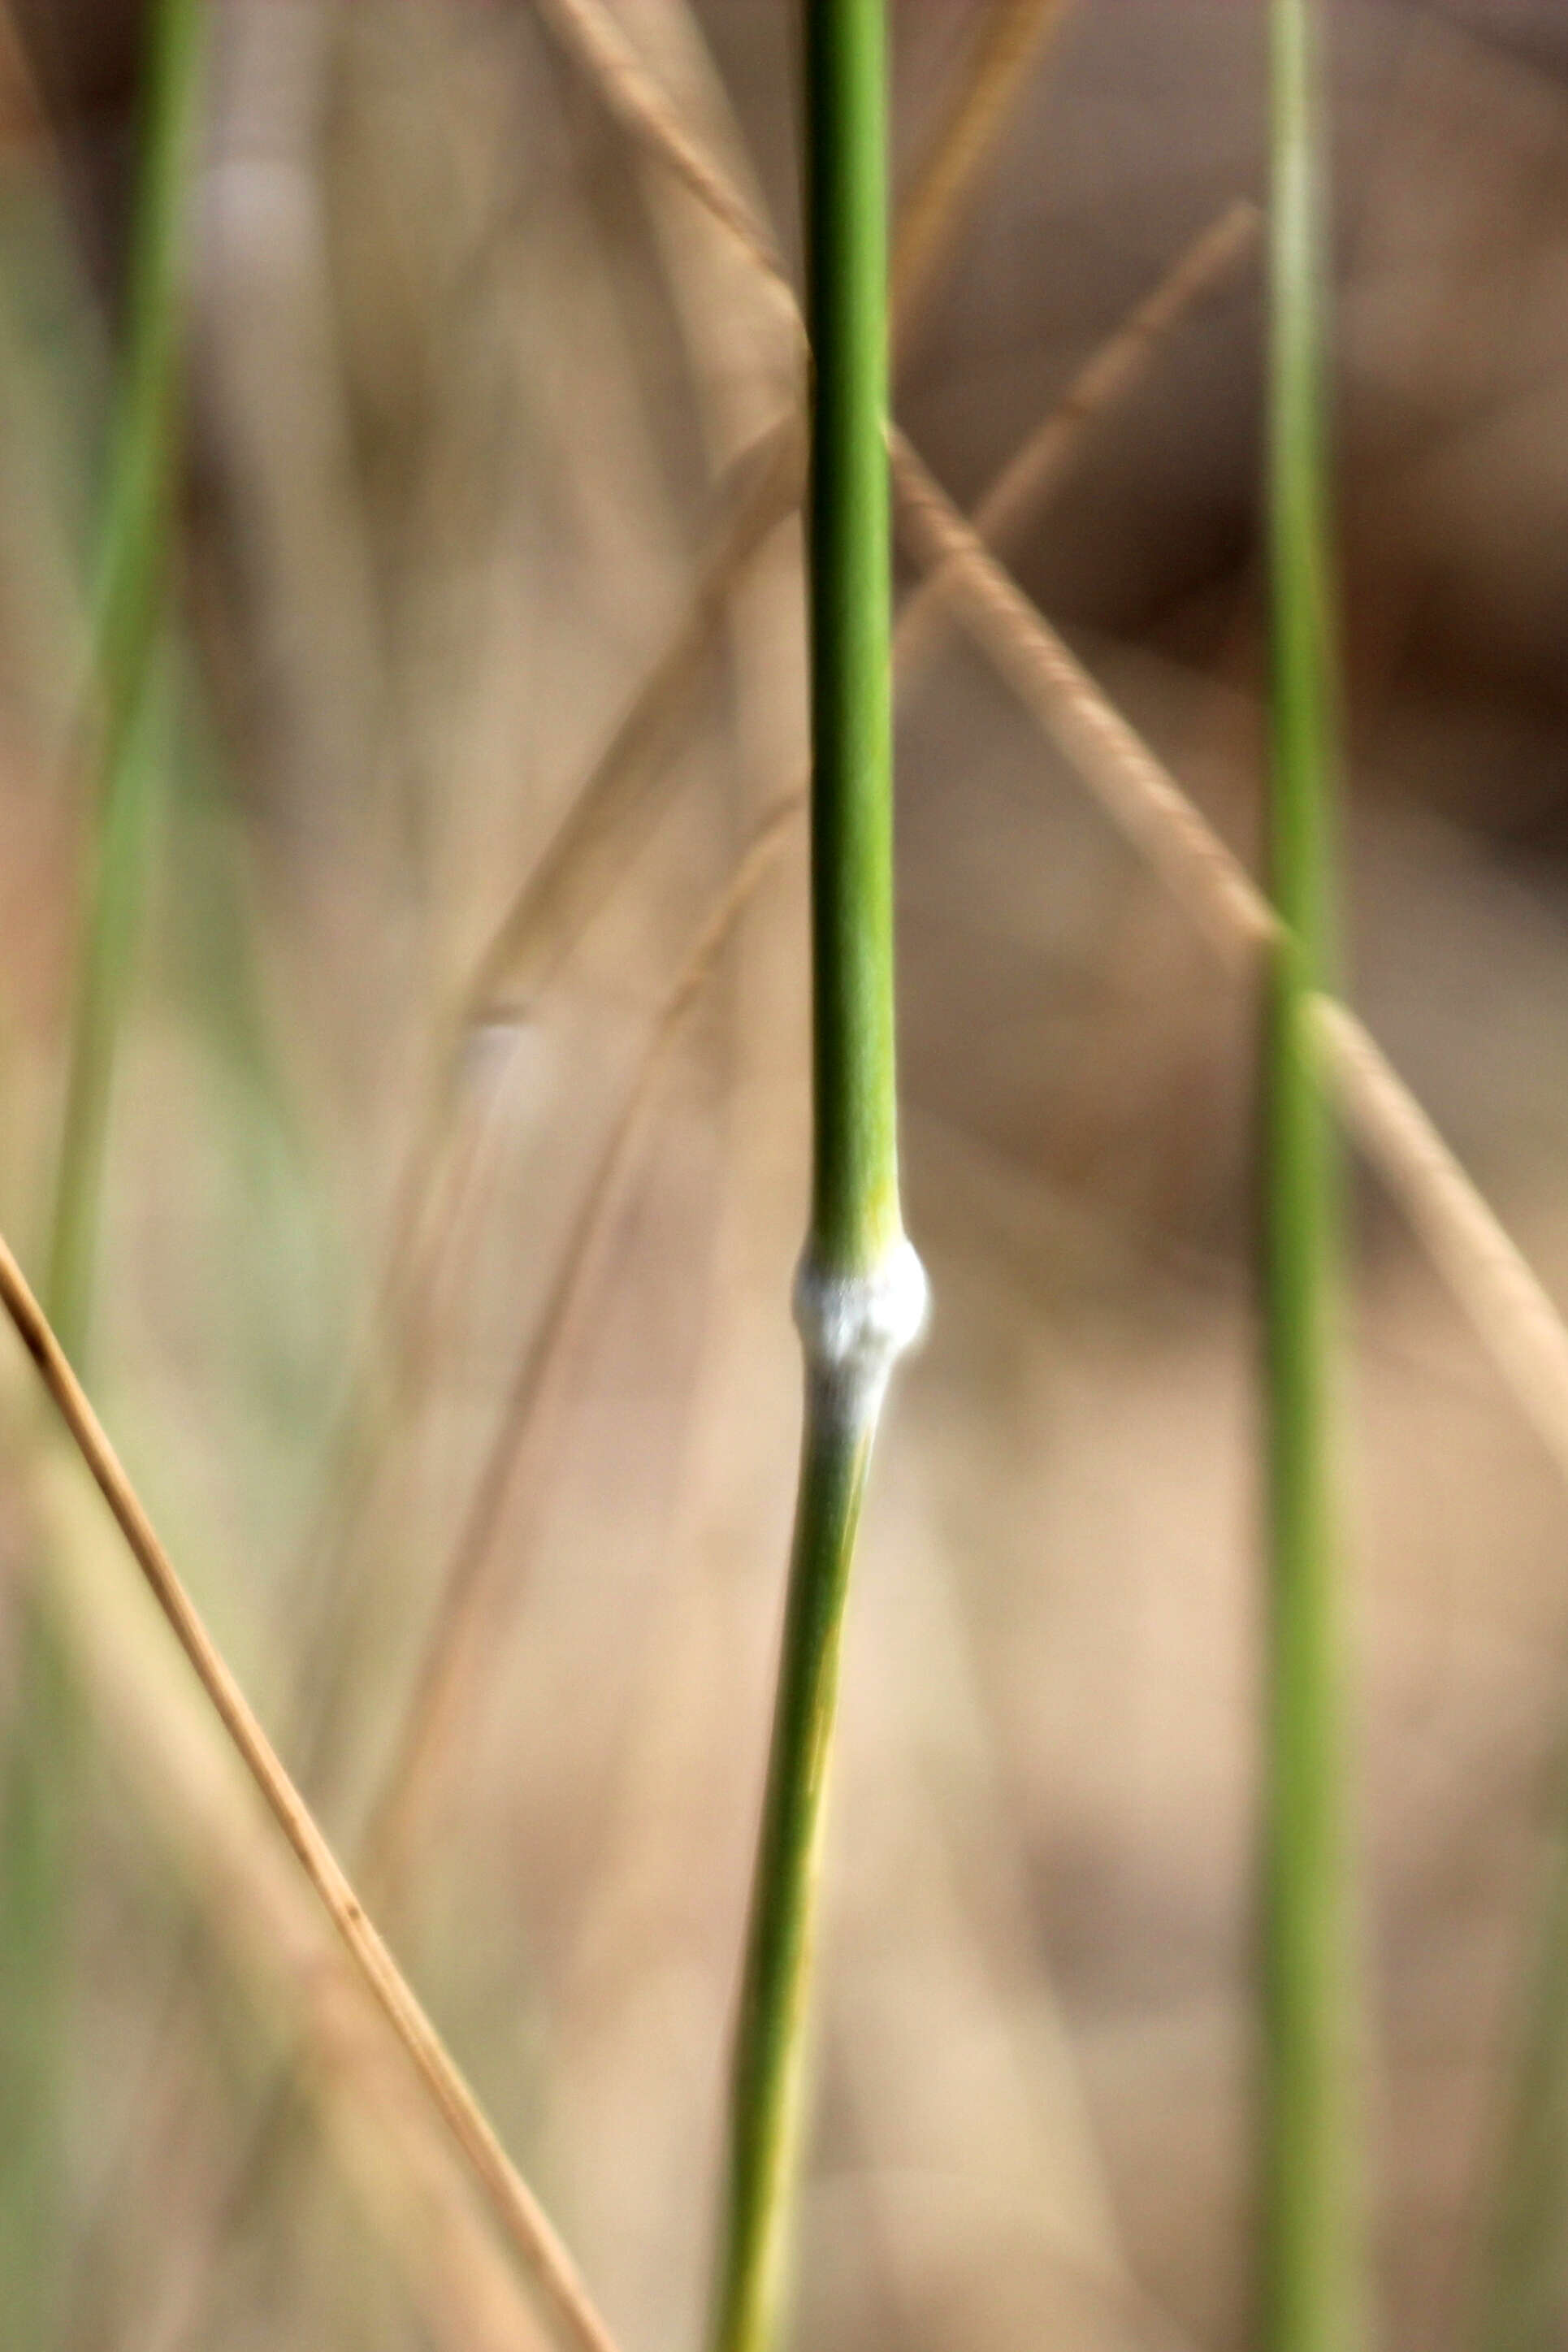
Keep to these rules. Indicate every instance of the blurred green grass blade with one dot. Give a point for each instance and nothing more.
(117, 858)
(1521, 2287)
(1313, 2293)
(35, 1847)
(128, 600)
(35, 1796)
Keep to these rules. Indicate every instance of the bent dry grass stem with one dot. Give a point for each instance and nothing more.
(519, 2214)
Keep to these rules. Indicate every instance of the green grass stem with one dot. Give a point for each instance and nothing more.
(128, 603)
(1520, 2290)
(855, 1197)
(1312, 2292)
(859, 1294)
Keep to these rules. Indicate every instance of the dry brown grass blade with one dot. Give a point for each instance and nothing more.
(456, 1644)
(591, 33)
(435, 1186)
(1032, 475)
(1008, 45)
(1144, 799)
(555, 899)
(591, 846)
(549, 904)
(1507, 1306)
(172, 1757)
(1005, 50)
(527, 2226)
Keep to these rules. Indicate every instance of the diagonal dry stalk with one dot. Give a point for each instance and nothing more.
(398, 1346)
(567, 882)
(1005, 51)
(469, 1597)
(527, 2226)
(941, 2020)
(1030, 477)
(1504, 1300)
(454, 1650)
(635, 98)
(996, 73)
(618, 802)
(394, 2154)
(1146, 803)
(617, 798)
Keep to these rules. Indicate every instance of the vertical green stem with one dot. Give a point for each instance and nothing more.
(35, 1772)
(860, 1294)
(771, 2031)
(1312, 2291)
(1519, 2294)
(855, 1198)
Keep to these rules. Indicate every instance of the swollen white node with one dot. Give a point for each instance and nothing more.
(861, 1322)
